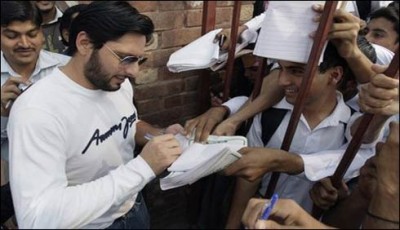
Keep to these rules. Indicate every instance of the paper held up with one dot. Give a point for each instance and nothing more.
(204, 53)
(285, 31)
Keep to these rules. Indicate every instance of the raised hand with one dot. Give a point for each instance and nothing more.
(381, 94)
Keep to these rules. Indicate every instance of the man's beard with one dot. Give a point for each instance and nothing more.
(96, 75)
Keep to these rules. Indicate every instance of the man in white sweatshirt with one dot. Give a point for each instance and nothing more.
(72, 135)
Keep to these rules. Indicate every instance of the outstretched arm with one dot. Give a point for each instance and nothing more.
(270, 94)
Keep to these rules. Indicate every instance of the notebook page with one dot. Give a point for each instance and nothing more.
(285, 31)
(181, 178)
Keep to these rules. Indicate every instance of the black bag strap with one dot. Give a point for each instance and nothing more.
(270, 121)
(272, 118)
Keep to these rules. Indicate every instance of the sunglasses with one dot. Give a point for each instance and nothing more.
(128, 60)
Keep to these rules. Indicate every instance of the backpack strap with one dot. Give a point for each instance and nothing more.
(270, 121)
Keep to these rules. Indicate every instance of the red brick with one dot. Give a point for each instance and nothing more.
(189, 98)
(194, 18)
(161, 57)
(158, 89)
(149, 91)
(173, 101)
(145, 6)
(150, 106)
(165, 117)
(225, 3)
(223, 15)
(174, 86)
(167, 20)
(194, 4)
(171, 5)
(191, 111)
(179, 37)
(246, 12)
(192, 83)
(147, 75)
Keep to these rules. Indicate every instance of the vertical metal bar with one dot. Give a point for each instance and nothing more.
(319, 42)
(208, 24)
(355, 142)
(231, 54)
(208, 21)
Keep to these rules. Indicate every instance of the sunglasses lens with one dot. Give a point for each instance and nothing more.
(133, 59)
(129, 60)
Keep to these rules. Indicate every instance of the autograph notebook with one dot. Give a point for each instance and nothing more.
(202, 159)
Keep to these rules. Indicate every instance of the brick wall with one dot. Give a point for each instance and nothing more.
(162, 97)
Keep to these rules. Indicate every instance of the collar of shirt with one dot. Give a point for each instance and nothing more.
(46, 60)
(59, 14)
(341, 113)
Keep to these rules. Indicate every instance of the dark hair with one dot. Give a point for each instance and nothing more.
(390, 13)
(107, 21)
(66, 19)
(394, 4)
(332, 58)
(19, 11)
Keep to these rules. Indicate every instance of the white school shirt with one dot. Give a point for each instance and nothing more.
(71, 155)
(47, 61)
(328, 135)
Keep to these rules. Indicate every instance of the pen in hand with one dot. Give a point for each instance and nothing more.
(269, 206)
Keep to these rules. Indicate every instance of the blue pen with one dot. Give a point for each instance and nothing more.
(269, 207)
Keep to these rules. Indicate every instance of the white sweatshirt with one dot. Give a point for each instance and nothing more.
(71, 155)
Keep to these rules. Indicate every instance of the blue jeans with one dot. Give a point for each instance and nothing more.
(136, 218)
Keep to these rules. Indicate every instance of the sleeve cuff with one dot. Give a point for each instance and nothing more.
(235, 104)
(324, 164)
(255, 23)
(141, 166)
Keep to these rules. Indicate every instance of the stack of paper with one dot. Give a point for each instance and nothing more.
(204, 53)
(200, 160)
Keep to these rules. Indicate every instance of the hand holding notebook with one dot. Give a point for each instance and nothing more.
(199, 160)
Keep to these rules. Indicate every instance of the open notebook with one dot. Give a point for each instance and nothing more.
(199, 160)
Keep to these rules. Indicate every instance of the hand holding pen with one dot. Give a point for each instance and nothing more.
(258, 211)
(10, 90)
(268, 207)
(160, 151)
(278, 214)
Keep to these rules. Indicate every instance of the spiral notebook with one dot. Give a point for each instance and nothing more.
(202, 159)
